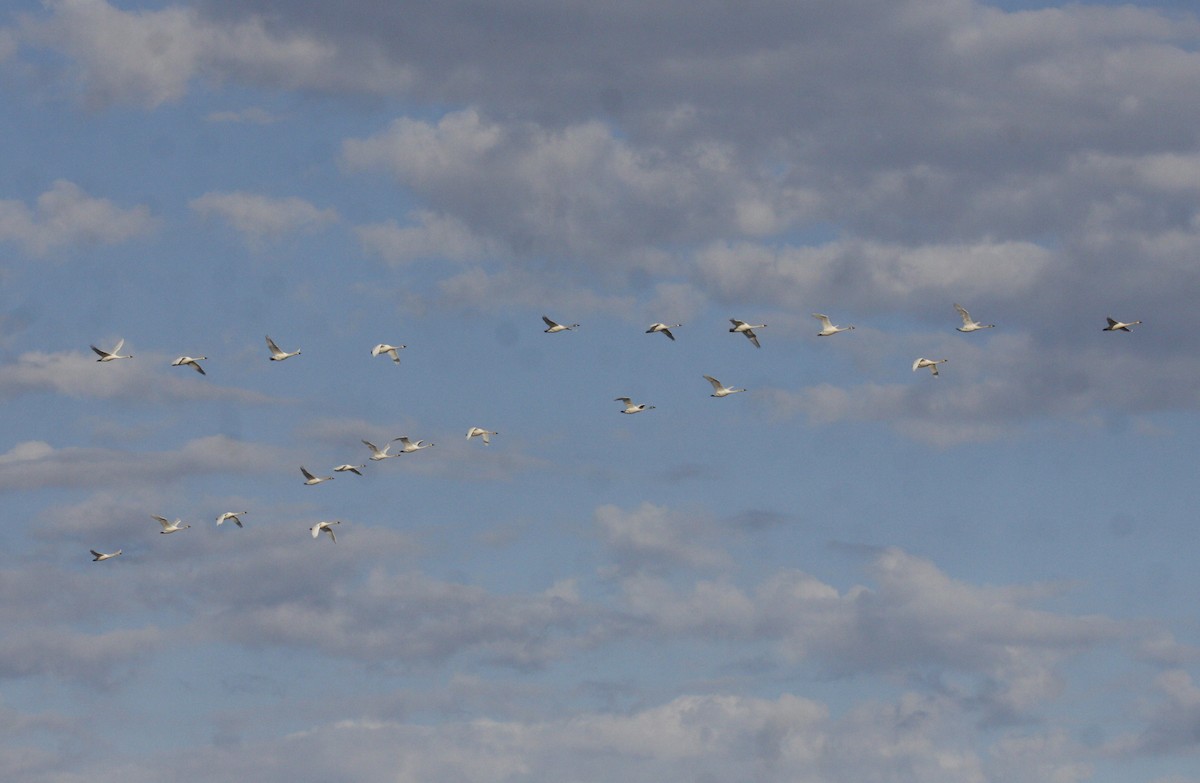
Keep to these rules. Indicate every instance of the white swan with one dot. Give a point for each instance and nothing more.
(310, 479)
(378, 453)
(827, 327)
(115, 353)
(407, 446)
(349, 469)
(480, 432)
(390, 350)
(630, 407)
(554, 328)
(664, 328)
(169, 526)
(747, 329)
(970, 325)
(1113, 326)
(719, 390)
(930, 363)
(327, 527)
(276, 354)
(232, 516)
(99, 556)
(191, 361)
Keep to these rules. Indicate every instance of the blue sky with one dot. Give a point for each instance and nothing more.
(852, 571)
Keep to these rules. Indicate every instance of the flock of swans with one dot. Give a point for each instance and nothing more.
(408, 446)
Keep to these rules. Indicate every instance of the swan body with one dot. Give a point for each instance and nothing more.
(1113, 326)
(349, 469)
(827, 327)
(930, 363)
(390, 350)
(115, 353)
(169, 526)
(969, 324)
(310, 479)
(719, 390)
(99, 556)
(480, 432)
(407, 446)
(190, 361)
(276, 354)
(231, 516)
(747, 329)
(554, 328)
(378, 453)
(326, 527)
(664, 328)
(630, 407)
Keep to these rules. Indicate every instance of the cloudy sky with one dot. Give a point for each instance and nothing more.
(850, 572)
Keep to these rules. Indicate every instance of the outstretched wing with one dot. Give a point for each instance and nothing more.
(272, 346)
(715, 383)
(753, 337)
(824, 319)
(549, 323)
(308, 475)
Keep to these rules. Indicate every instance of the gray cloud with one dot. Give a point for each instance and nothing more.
(149, 57)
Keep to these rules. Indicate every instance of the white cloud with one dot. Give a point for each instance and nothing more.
(428, 236)
(259, 217)
(870, 274)
(145, 378)
(1171, 725)
(580, 189)
(917, 617)
(66, 216)
(34, 464)
(692, 737)
(652, 536)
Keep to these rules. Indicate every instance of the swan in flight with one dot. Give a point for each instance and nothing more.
(115, 353)
(827, 327)
(930, 363)
(407, 446)
(169, 526)
(747, 329)
(1113, 326)
(350, 469)
(276, 354)
(481, 433)
(553, 328)
(378, 453)
(630, 407)
(970, 325)
(232, 516)
(327, 527)
(98, 556)
(664, 328)
(191, 361)
(719, 390)
(390, 350)
(310, 479)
